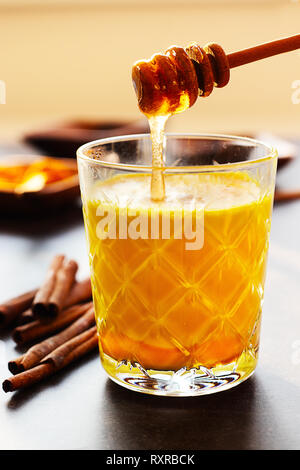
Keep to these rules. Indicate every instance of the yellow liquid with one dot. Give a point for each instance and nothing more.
(162, 305)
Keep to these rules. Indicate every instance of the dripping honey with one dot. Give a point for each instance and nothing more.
(165, 85)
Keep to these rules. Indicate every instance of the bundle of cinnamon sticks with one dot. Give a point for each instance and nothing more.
(57, 322)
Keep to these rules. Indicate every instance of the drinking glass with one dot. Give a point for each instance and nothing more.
(178, 284)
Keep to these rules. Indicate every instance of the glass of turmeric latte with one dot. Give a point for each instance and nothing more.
(178, 281)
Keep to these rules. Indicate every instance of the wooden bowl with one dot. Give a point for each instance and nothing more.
(66, 138)
(53, 195)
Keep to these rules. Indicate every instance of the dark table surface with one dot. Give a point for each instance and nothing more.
(80, 408)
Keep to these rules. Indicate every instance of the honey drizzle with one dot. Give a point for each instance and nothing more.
(157, 127)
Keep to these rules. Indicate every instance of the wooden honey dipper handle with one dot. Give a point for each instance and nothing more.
(212, 64)
(263, 51)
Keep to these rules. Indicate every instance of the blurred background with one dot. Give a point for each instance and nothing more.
(71, 59)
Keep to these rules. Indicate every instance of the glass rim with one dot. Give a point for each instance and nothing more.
(271, 153)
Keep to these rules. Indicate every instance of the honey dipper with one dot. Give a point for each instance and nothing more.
(170, 83)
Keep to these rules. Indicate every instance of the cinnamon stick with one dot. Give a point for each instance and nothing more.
(37, 352)
(11, 309)
(286, 195)
(51, 296)
(38, 328)
(80, 292)
(64, 281)
(26, 317)
(70, 350)
(62, 356)
(27, 378)
(44, 292)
